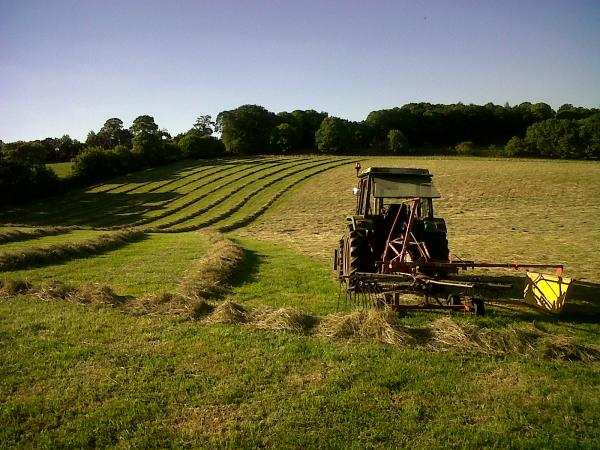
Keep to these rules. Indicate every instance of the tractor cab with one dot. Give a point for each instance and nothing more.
(395, 222)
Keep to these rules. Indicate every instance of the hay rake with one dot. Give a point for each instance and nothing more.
(394, 245)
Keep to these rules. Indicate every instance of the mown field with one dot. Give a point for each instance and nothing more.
(193, 305)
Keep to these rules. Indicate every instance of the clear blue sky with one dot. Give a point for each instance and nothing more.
(67, 66)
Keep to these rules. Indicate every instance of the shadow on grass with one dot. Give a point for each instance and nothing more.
(91, 209)
(108, 208)
(248, 269)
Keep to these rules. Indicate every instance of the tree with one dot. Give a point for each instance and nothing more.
(94, 164)
(589, 134)
(516, 147)
(246, 129)
(554, 138)
(204, 125)
(144, 125)
(464, 148)
(27, 153)
(285, 138)
(149, 146)
(67, 148)
(112, 134)
(397, 142)
(20, 181)
(307, 123)
(194, 145)
(334, 135)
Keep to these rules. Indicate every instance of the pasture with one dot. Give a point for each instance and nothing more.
(217, 325)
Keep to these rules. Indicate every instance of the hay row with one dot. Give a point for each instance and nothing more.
(217, 202)
(383, 326)
(24, 235)
(442, 335)
(213, 274)
(60, 252)
(164, 228)
(89, 293)
(225, 172)
(224, 167)
(260, 211)
(192, 173)
(120, 185)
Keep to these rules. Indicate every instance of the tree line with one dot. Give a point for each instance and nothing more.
(533, 130)
(528, 130)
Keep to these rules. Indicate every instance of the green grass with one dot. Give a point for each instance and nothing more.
(73, 236)
(87, 376)
(276, 277)
(84, 377)
(62, 169)
(155, 264)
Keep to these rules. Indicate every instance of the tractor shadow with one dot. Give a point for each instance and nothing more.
(582, 303)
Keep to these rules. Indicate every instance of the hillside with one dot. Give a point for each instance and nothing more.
(194, 305)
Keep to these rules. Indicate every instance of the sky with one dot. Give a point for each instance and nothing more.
(67, 66)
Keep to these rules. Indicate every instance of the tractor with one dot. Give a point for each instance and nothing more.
(394, 243)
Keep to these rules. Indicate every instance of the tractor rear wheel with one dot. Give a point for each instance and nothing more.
(437, 245)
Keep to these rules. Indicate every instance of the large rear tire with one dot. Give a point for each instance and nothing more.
(437, 245)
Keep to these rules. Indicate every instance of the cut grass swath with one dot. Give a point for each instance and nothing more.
(242, 222)
(247, 181)
(166, 228)
(384, 326)
(214, 271)
(24, 235)
(171, 206)
(61, 252)
(197, 198)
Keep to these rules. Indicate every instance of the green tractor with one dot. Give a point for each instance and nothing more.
(394, 229)
(394, 243)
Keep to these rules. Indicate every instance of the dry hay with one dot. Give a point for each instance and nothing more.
(228, 312)
(23, 235)
(282, 319)
(48, 255)
(161, 303)
(561, 347)
(379, 325)
(54, 290)
(9, 288)
(202, 309)
(211, 278)
(446, 334)
(93, 293)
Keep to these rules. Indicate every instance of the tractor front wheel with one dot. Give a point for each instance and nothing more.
(355, 256)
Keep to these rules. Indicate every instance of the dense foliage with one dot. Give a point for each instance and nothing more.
(20, 181)
(559, 138)
(527, 130)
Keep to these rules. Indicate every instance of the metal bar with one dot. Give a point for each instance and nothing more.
(465, 308)
(389, 239)
(411, 220)
(473, 265)
(407, 277)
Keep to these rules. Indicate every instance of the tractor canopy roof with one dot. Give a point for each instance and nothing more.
(391, 182)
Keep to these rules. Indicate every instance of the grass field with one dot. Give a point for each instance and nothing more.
(62, 169)
(95, 374)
